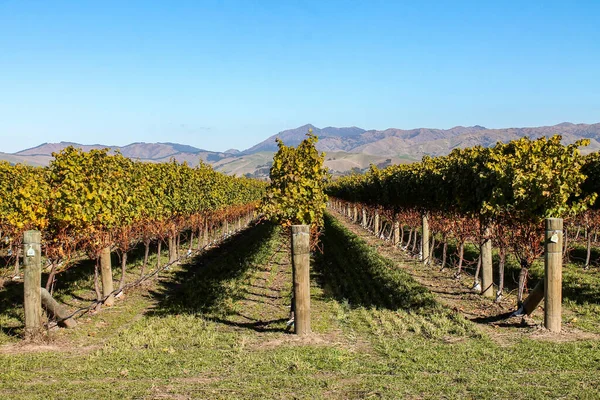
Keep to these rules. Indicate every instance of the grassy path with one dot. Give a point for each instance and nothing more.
(581, 319)
(215, 328)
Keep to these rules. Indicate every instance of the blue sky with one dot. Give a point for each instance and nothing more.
(228, 74)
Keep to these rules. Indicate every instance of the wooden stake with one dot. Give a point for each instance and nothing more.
(553, 277)
(301, 278)
(396, 233)
(424, 256)
(550, 290)
(172, 242)
(32, 275)
(58, 310)
(487, 277)
(534, 299)
(106, 274)
(376, 224)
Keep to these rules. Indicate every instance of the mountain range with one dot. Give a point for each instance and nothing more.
(346, 149)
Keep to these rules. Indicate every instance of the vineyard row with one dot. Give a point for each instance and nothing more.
(495, 196)
(94, 203)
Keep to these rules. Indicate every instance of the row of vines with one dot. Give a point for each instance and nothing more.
(88, 203)
(498, 195)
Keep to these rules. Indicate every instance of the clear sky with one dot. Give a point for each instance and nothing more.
(228, 74)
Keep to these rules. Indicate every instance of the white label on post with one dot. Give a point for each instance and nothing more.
(554, 238)
(30, 252)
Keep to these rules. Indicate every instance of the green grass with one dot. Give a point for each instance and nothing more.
(581, 294)
(358, 277)
(581, 288)
(214, 328)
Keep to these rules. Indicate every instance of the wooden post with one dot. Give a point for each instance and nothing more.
(396, 233)
(487, 278)
(205, 238)
(376, 224)
(172, 242)
(58, 310)
(550, 290)
(106, 274)
(32, 275)
(355, 217)
(534, 299)
(553, 277)
(424, 256)
(301, 278)
(364, 218)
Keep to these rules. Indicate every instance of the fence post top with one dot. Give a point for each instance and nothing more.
(32, 235)
(554, 223)
(300, 228)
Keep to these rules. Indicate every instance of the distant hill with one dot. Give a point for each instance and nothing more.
(293, 137)
(415, 143)
(36, 161)
(154, 152)
(346, 148)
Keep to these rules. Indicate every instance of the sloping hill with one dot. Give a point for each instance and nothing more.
(36, 161)
(292, 137)
(154, 152)
(415, 143)
(46, 149)
(346, 148)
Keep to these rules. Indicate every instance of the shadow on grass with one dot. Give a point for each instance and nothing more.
(578, 253)
(349, 270)
(494, 318)
(579, 286)
(255, 325)
(582, 291)
(11, 307)
(211, 283)
(81, 273)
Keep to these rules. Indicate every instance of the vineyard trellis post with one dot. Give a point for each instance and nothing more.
(396, 239)
(424, 256)
(550, 290)
(65, 319)
(553, 275)
(32, 297)
(487, 277)
(106, 275)
(301, 278)
(376, 224)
